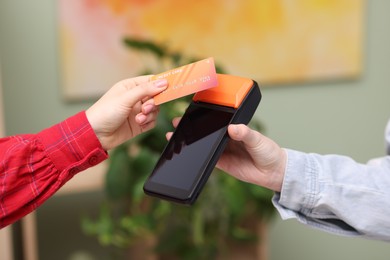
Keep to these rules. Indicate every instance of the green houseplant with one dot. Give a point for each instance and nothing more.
(202, 231)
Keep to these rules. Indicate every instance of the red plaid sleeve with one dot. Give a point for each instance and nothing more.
(33, 167)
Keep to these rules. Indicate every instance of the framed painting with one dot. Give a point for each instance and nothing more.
(272, 41)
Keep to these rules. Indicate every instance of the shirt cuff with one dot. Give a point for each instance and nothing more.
(387, 137)
(300, 183)
(72, 145)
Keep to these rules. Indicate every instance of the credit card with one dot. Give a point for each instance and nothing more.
(186, 80)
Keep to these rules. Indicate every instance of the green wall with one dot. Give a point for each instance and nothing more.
(344, 117)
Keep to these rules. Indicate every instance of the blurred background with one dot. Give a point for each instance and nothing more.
(342, 111)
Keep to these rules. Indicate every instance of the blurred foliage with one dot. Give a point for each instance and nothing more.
(199, 231)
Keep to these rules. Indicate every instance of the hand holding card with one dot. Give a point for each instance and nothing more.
(186, 80)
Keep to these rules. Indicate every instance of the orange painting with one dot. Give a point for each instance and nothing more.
(271, 41)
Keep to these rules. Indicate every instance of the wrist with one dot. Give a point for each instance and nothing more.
(90, 117)
(280, 171)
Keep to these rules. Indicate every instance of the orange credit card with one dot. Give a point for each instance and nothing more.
(186, 80)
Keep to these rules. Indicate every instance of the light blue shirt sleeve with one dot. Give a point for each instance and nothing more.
(336, 194)
(387, 137)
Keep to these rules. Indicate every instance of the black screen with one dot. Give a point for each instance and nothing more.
(190, 148)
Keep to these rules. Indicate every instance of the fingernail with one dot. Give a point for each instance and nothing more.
(234, 129)
(147, 109)
(161, 83)
(140, 118)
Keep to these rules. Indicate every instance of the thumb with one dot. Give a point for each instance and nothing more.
(140, 91)
(243, 133)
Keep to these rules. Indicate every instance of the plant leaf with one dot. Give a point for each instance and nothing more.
(118, 175)
(143, 45)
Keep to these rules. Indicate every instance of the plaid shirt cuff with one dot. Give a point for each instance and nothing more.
(72, 145)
